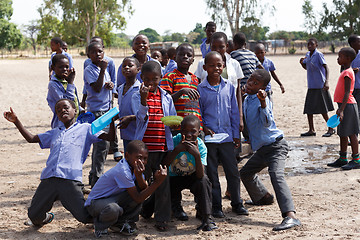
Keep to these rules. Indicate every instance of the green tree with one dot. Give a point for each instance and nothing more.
(253, 30)
(10, 36)
(197, 38)
(310, 18)
(152, 35)
(31, 31)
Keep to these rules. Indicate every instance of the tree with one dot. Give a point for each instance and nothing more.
(31, 30)
(310, 18)
(10, 36)
(196, 36)
(252, 29)
(152, 35)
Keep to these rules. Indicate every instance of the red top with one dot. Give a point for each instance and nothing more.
(340, 87)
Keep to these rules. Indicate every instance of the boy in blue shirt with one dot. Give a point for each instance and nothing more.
(220, 114)
(116, 198)
(62, 176)
(210, 29)
(56, 46)
(270, 151)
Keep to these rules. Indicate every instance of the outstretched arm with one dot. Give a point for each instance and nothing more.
(275, 77)
(11, 117)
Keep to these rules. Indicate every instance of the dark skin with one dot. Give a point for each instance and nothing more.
(210, 30)
(150, 84)
(141, 46)
(62, 71)
(55, 47)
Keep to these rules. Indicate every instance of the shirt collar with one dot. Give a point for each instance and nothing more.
(72, 126)
(207, 84)
(54, 78)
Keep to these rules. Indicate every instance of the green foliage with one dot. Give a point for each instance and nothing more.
(289, 36)
(201, 34)
(310, 18)
(6, 9)
(253, 30)
(120, 40)
(10, 36)
(292, 50)
(152, 35)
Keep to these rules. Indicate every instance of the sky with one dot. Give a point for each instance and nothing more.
(154, 14)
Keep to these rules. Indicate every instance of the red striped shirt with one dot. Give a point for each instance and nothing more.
(154, 136)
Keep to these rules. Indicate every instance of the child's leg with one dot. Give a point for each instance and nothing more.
(98, 158)
(212, 172)
(342, 160)
(355, 162)
(201, 188)
(177, 184)
(42, 201)
(310, 118)
(326, 118)
(354, 144)
(72, 198)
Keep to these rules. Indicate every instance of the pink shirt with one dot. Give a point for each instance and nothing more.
(340, 87)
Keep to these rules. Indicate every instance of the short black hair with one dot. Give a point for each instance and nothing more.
(313, 39)
(92, 45)
(218, 35)
(64, 43)
(239, 39)
(191, 119)
(171, 52)
(210, 24)
(135, 146)
(72, 103)
(348, 52)
(95, 39)
(262, 75)
(210, 54)
(57, 40)
(57, 58)
(352, 38)
(151, 66)
(184, 45)
(259, 46)
(138, 35)
(137, 63)
(163, 52)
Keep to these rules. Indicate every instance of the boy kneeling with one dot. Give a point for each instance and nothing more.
(115, 200)
(186, 170)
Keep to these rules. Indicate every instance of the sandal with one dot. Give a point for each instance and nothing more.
(308, 134)
(161, 226)
(117, 156)
(329, 133)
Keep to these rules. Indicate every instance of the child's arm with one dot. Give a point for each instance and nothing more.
(11, 117)
(144, 93)
(192, 94)
(326, 83)
(171, 155)
(126, 120)
(110, 136)
(340, 111)
(265, 112)
(275, 77)
(302, 62)
(239, 100)
(100, 80)
(139, 197)
(138, 171)
(193, 149)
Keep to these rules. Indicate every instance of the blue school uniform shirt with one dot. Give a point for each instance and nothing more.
(219, 108)
(114, 181)
(356, 64)
(97, 101)
(170, 67)
(110, 69)
(184, 162)
(71, 63)
(315, 69)
(268, 66)
(260, 122)
(204, 49)
(142, 116)
(68, 150)
(59, 89)
(126, 110)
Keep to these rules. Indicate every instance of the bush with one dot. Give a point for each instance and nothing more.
(292, 50)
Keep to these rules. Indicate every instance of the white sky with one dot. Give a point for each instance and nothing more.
(157, 15)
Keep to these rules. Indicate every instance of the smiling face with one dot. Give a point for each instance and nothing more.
(65, 111)
(54, 46)
(61, 68)
(140, 45)
(214, 66)
(96, 53)
(184, 57)
(129, 68)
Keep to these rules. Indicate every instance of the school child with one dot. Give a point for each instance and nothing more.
(64, 46)
(61, 179)
(171, 52)
(347, 111)
(150, 104)
(140, 45)
(61, 85)
(115, 200)
(232, 70)
(230, 47)
(210, 29)
(99, 90)
(130, 68)
(318, 99)
(157, 56)
(247, 59)
(220, 114)
(164, 58)
(270, 151)
(186, 169)
(354, 42)
(56, 47)
(268, 66)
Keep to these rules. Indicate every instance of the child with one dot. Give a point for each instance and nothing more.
(150, 104)
(220, 114)
(270, 151)
(210, 29)
(56, 46)
(230, 47)
(99, 90)
(62, 176)
(130, 68)
(268, 66)
(347, 111)
(232, 70)
(61, 85)
(156, 55)
(354, 42)
(65, 46)
(171, 52)
(115, 200)
(318, 99)
(140, 45)
(186, 170)
(164, 58)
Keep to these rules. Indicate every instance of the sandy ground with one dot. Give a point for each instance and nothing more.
(326, 199)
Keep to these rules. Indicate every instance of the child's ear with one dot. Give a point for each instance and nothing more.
(204, 67)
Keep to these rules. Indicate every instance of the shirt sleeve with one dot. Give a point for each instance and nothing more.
(235, 115)
(271, 66)
(167, 83)
(124, 179)
(322, 59)
(45, 138)
(199, 70)
(90, 76)
(265, 114)
(203, 151)
(238, 70)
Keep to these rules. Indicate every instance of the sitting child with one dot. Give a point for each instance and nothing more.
(62, 176)
(270, 151)
(186, 170)
(116, 198)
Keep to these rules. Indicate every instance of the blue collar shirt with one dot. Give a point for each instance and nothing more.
(315, 69)
(356, 64)
(204, 49)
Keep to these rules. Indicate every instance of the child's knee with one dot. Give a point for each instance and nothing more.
(36, 217)
(110, 213)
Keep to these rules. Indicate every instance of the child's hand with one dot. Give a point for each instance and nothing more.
(340, 114)
(261, 95)
(208, 131)
(302, 60)
(10, 116)
(243, 90)
(124, 122)
(282, 88)
(355, 70)
(192, 93)
(109, 85)
(326, 86)
(160, 174)
(103, 64)
(236, 142)
(144, 93)
(192, 147)
(71, 76)
(139, 168)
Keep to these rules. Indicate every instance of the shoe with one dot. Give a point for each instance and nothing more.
(329, 134)
(287, 223)
(308, 134)
(338, 163)
(207, 226)
(351, 165)
(240, 210)
(218, 214)
(100, 233)
(161, 226)
(198, 215)
(180, 214)
(117, 156)
(126, 228)
(268, 199)
(49, 217)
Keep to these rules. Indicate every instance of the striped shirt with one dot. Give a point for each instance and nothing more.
(154, 136)
(248, 62)
(174, 82)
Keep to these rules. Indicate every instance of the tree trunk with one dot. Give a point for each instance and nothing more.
(94, 20)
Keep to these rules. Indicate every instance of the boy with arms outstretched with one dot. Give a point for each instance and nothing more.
(62, 176)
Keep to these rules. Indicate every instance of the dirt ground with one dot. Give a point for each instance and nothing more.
(326, 199)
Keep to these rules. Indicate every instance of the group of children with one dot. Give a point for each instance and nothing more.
(226, 91)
